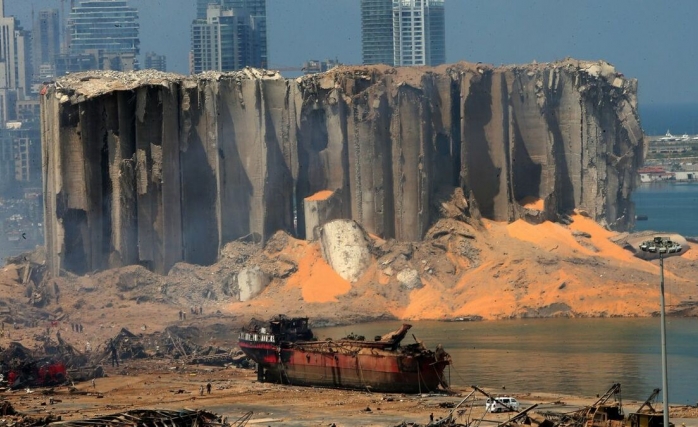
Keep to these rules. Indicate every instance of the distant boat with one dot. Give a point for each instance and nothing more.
(667, 136)
(641, 218)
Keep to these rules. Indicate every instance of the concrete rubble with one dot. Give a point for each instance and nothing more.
(153, 169)
(346, 248)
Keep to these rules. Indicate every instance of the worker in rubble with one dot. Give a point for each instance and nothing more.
(208, 388)
(114, 355)
(201, 390)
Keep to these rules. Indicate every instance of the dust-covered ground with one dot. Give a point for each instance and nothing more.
(164, 384)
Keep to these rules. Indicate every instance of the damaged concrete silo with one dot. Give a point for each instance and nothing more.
(151, 168)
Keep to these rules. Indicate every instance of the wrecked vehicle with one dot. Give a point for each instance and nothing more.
(607, 411)
(287, 352)
(21, 368)
(37, 373)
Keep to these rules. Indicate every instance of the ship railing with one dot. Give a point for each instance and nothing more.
(248, 336)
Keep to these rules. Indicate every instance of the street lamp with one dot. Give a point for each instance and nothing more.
(662, 247)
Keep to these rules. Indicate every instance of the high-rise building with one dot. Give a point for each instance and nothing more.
(153, 61)
(225, 41)
(419, 34)
(107, 27)
(377, 31)
(202, 7)
(403, 32)
(15, 75)
(257, 12)
(46, 37)
(436, 32)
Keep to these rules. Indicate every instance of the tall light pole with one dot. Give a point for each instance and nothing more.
(662, 247)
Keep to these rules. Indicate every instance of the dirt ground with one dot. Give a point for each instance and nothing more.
(164, 384)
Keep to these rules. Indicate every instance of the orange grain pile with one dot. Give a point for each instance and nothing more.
(316, 279)
(320, 195)
(533, 203)
(600, 239)
(426, 303)
(548, 235)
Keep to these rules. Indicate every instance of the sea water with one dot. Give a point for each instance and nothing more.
(669, 206)
(581, 357)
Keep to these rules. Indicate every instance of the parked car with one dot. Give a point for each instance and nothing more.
(502, 404)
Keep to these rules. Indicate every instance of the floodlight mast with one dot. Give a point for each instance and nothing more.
(662, 246)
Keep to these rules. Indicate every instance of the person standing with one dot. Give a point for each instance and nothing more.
(114, 355)
(208, 388)
(201, 390)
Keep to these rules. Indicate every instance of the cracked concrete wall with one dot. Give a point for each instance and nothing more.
(154, 168)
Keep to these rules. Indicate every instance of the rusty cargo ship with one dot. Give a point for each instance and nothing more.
(286, 351)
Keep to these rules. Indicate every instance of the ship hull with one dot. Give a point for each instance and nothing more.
(358, 368)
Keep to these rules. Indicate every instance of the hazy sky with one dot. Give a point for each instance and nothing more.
(654, 41)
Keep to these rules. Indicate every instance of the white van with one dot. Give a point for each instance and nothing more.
(502, 404)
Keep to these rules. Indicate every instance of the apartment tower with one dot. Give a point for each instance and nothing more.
(403, 32)
(377, 31)
(46, 43)
(153, 61)
(15, 72)
(256, 10)
(232, 36)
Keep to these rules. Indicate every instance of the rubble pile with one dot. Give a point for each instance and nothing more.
(181, 418)
(177, 343)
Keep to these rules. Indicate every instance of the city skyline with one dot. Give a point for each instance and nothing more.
(651, 42)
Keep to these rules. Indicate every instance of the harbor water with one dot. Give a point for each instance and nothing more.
(669, 206)
(581, 357)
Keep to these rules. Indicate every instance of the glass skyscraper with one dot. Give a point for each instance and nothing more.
(46, 42)
(257, 12)
(403, 32)
(225, 41)
(110, 26)
(377, 31)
